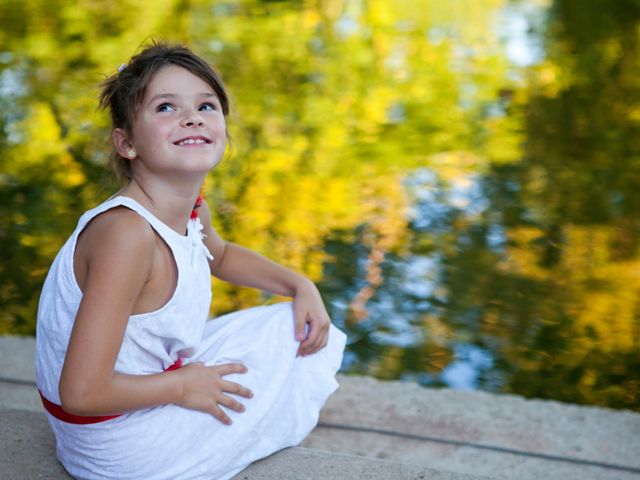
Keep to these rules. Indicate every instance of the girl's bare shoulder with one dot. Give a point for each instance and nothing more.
(119, 231)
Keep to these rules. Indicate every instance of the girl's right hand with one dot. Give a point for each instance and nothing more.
(203, 387)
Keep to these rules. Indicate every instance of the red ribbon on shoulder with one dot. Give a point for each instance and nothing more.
(58, 412)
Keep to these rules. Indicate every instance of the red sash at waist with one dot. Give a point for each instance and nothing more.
(58, 412)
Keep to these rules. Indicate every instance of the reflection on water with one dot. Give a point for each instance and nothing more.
(460, 178)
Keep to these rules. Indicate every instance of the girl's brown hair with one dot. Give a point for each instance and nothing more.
(123, 92)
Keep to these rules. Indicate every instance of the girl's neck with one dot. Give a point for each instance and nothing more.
(171, 205)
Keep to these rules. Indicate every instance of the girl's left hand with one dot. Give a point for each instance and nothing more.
(308, 308)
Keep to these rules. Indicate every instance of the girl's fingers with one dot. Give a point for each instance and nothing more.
(313, 348)
(231, 403)
(318, 335)
(313, 330)
(217, 412)
(205, 387)
(231, 387)
(228, 368)
(309, 333)
(300, 317)
(322, 341)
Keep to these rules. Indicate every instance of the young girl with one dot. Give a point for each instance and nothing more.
(136, 383)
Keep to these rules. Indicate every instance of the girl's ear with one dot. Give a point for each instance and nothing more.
(123, 144)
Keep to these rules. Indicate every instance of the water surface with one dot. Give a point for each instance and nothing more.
(460, 178)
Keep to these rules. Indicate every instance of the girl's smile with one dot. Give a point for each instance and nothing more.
(192, 141)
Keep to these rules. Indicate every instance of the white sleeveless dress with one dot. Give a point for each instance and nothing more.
(171, 442)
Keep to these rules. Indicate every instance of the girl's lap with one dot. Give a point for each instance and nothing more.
(288, 394)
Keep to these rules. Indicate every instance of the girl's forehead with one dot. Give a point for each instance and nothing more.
(177, 80)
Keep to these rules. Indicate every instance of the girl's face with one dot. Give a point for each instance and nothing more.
(179, 126)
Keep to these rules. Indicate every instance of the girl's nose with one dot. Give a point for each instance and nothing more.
(192, 118)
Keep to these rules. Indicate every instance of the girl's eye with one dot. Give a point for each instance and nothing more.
(164, 107)
(207, 106)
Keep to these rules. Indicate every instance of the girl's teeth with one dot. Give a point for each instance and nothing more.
(191, 142)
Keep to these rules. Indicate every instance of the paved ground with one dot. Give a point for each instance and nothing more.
(381, 430)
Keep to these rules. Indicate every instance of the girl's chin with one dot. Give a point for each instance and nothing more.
(202, 165)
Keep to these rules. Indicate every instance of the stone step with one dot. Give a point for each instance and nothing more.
(27, 451)
(441, 431)
(478, 433)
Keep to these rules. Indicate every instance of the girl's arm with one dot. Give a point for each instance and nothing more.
(241, 266)
(120, 249)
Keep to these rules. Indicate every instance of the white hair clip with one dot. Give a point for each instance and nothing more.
(122, 67)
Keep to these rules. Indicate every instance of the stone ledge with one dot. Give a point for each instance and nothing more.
(307, 464)
(27, 451)
(27, 447)
(470, 433)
